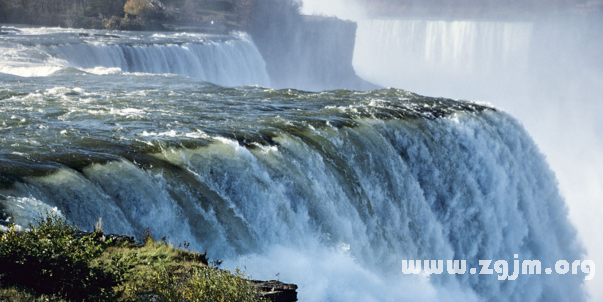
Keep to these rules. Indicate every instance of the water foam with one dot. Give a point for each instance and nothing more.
(336, 209)
(230, 60)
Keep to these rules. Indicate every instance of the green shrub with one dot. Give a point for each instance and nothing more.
(112, 23)
(49, 259)
(202, 284)
(54, 262)
(14, 294)
(129, 23)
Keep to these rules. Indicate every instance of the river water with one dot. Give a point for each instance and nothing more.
(329, 190)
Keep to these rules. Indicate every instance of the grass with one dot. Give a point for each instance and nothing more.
(51, 263)
(15, 294)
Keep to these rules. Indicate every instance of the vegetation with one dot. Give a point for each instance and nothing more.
(53, 261)
(50, 260)
(141, 8)
(226, 15)
(202, 15)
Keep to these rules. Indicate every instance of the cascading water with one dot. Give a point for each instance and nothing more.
(346, 183)
(328, 190)
(224, 60)
(546, 72)
(444, 58)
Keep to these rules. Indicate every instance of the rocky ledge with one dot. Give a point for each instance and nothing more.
(276, 291)
(273, 290)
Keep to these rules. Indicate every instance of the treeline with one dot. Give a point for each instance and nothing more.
(216, 15)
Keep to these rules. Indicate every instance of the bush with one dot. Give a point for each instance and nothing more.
(127, 23)
(202, 284)
(14, 294)
(54, 262)
(49, 259)
(112, 23)
(140, 8)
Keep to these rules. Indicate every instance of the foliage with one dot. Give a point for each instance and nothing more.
(14, 294)
(139, 261)
(197, 15)
(112, 23)
(201, 284)
(49, 259)
(53, 261)
(128, 23)
(105, 8)
(140, 8)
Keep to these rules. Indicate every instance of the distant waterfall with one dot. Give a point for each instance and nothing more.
(442, 57)
(228, 60)
(229, 63)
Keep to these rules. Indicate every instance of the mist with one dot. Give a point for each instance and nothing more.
(343, 9)
(545, 70)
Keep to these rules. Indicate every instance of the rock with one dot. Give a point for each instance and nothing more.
(312, 53)
(117, 239)
(106, 36)
(276, 291)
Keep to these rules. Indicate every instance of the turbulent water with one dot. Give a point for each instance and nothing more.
(548, 73)
(328, 190)
(223, 60)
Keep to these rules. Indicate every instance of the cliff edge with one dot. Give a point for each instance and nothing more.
(308, 52)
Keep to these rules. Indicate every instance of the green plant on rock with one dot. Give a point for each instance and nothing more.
(202, 284)
(50, 259)
(54, 262)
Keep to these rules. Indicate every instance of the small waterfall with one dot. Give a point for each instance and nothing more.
(229, 63)
(230, 60)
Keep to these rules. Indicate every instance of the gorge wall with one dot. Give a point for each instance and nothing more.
(305, 52)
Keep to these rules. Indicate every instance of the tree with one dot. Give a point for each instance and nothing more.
(141, 8)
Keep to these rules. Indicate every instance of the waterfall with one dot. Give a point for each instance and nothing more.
(330, 190)
(230, 63)
(443, 57)
(223, 60)
(437, 180)
(545, 72)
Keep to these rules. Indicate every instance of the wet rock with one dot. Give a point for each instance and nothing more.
(276, 291)
(107, 36)
(116, 239)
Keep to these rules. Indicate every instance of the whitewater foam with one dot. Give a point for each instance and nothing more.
(224, 60)
(347, 204)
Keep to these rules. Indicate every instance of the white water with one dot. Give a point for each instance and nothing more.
(232, 63)
(337, 220)
(444, 58)
(334, 210)
(546, 74)
(235, 61)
